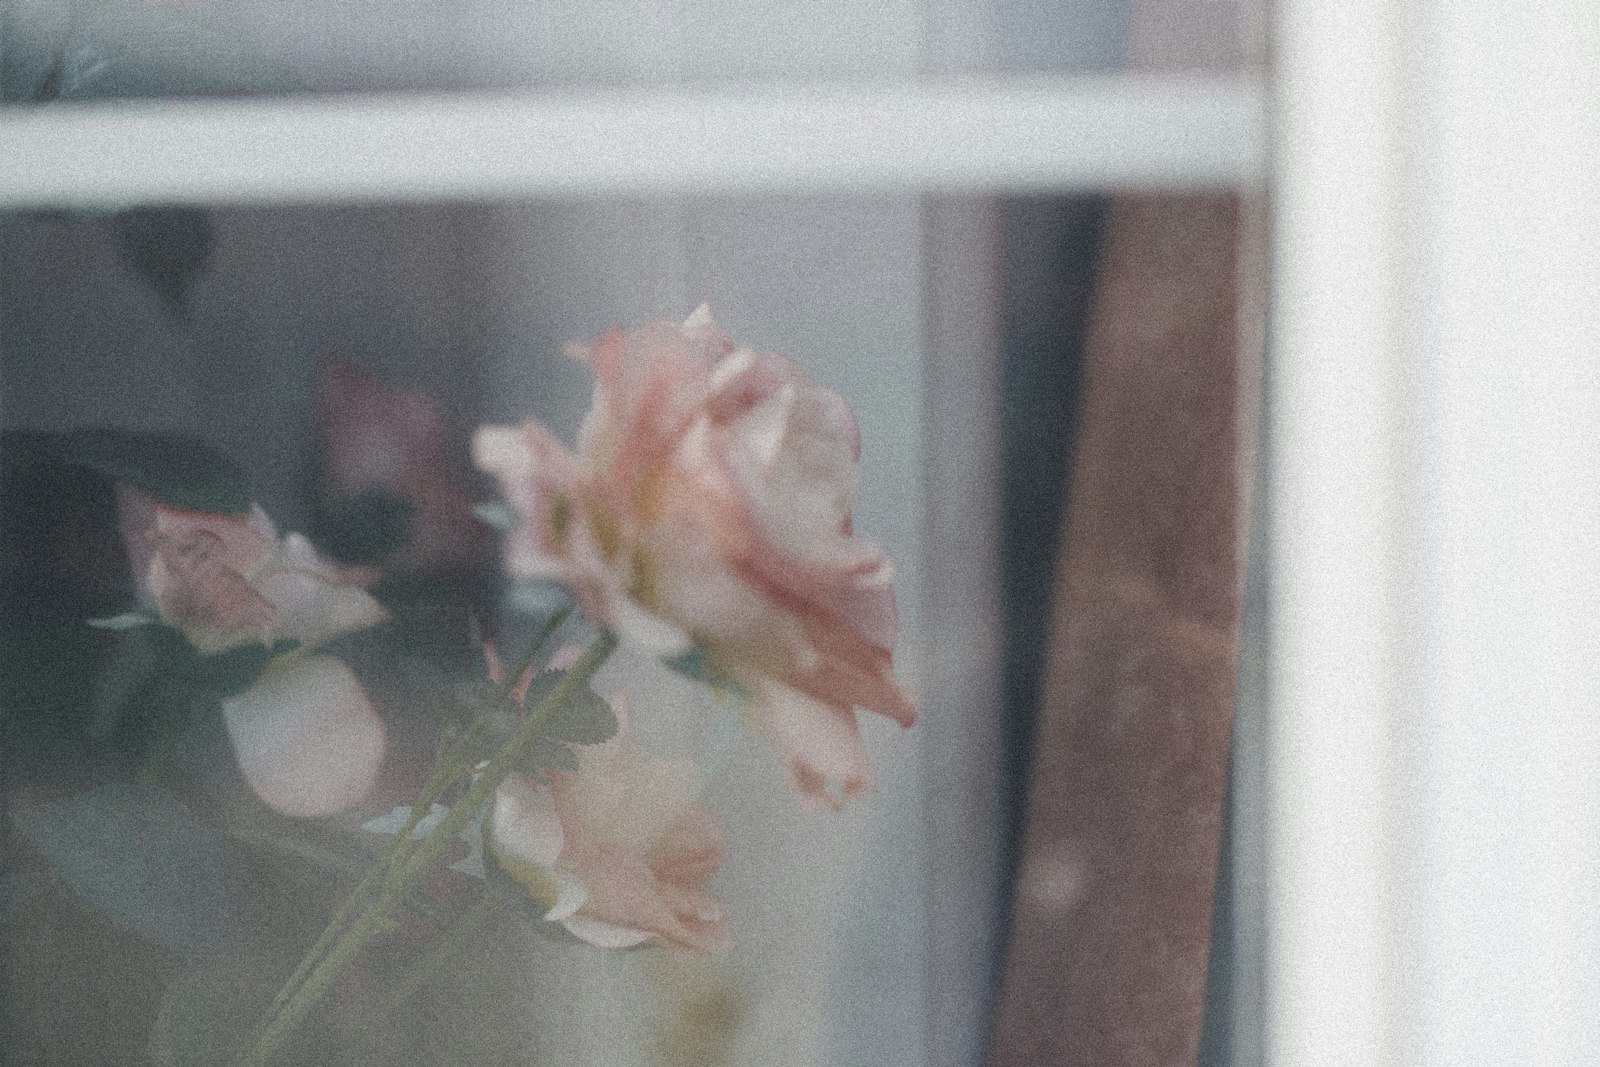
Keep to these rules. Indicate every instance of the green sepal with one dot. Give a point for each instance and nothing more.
(586, 719)
(496, 515)
(152, 679)
(699, 665)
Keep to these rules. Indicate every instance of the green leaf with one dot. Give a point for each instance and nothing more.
(394, 820)
(128, 620)
(311, 851)
(227, 674)
(132, 48)
(585, 719)
(167, 248)
(150, 865)
(19, 889)
(152, 680)
(183, 471)
(130, 669)
(542, 600)
(548, 754)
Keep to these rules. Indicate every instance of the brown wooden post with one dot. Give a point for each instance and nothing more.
(1106, 962)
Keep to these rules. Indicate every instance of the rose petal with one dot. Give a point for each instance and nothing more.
(524, 824)
(622, 890)
(571, 895)
(312, 607)
(194, 566)
(538, 477)
(820, 743)
(620, 795)
(690, 851)
(306, 736)
(616, 850)
(606, 935)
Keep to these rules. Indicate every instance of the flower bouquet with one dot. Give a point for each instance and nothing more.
(702, 518)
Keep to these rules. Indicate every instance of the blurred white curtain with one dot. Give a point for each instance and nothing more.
(1435, 405)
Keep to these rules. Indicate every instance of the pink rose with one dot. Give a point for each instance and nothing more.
(708, 505)
(307, 737)
(617, 851)
(226, 581)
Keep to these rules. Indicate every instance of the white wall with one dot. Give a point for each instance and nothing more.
(1435, 752)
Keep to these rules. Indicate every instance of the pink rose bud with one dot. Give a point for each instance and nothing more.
(226, 581)
(307, 737)
(616, 852)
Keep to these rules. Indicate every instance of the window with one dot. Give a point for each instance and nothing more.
(460, 192)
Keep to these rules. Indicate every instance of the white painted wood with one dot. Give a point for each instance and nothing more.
(1435, 758)
(1338, 568)
(1047, 135)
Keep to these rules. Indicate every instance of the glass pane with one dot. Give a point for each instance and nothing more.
(342, 357)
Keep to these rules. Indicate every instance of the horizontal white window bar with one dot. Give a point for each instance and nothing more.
(1055, 135)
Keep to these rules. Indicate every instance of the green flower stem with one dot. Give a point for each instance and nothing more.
(155, 762)
(451, 941)
(504, 762)
(287, 1020)
(330, 933)
(450, 767)
(458, 759)
(376, 920)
